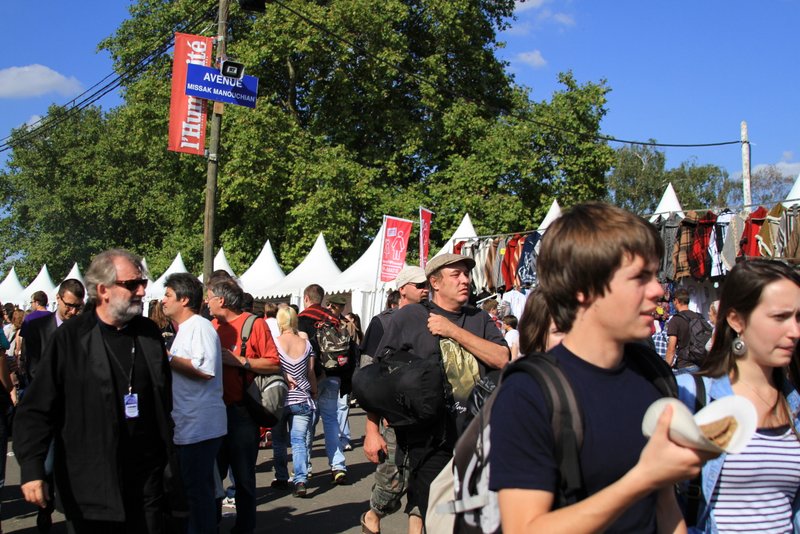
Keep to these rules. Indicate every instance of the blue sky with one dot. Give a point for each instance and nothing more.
(684, 71)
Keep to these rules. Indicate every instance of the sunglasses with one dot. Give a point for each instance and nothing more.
(132, 285)
(420, 285)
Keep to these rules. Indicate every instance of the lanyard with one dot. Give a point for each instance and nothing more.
(119, 365)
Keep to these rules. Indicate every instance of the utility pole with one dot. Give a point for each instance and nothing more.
(213, 154)
(748, 200)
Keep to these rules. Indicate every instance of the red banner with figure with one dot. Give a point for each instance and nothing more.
(424, 235)
(395, 246)
(187, 114)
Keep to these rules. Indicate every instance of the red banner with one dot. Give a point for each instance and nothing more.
(395, 246)
(187, 114)
(424, 235)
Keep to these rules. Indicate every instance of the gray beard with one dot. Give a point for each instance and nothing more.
(123, 311)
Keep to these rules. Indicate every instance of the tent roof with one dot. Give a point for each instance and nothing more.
(42, 282)
(363, 274)
(156, 290)
(316, 268)
(669, 204)
(11, 290)
(75, 273)
(464, 230)
(220, 264)
(552, 214)
(794, 195)
(263, 272)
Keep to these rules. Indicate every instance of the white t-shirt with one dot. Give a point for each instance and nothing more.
(197, 407)
(516, 300)
(512, 337)
(272, 323)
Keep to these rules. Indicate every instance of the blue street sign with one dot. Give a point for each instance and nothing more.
(207, 82)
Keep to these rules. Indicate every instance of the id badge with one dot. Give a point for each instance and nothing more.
(131, 402)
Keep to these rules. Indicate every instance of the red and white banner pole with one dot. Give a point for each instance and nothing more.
(187, 114)
(395, 247)
(425, 216)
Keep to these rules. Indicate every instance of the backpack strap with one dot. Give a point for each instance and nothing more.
(566, 420)
(694, 491)
(247, 329)
(646, 362)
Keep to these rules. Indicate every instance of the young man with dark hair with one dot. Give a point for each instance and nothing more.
(597, 270)
(679, 333)
(197, 408)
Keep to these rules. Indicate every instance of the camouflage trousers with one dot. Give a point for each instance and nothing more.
(391, 479)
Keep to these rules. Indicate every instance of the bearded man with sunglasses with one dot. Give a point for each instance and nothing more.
(103, 392)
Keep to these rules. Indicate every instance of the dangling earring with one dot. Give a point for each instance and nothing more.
(738, 347)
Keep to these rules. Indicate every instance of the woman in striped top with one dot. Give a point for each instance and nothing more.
(757, 330)
(297, 362)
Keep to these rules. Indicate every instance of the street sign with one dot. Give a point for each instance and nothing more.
(206, 82)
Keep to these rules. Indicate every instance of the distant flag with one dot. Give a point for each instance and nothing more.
(424, 235)
(395, 247)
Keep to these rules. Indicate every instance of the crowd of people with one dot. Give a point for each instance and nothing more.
(132, 424)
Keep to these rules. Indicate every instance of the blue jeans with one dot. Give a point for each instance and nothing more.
(327, 409)
(239, 451)
(197, 470)
(297, 417)
(342, 412)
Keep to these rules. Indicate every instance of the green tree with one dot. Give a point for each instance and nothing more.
(768, 186)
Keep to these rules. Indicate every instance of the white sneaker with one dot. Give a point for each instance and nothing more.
(229, 502)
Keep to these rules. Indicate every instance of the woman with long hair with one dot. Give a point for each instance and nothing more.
(758, 326)
(537, 330)
(297, 362)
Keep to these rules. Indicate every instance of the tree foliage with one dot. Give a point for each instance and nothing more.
(362, 112)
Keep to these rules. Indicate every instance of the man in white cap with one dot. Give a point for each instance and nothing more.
(391, 478)
(443, 328)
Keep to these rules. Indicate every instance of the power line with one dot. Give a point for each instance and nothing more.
(433, 85)
(45, 125)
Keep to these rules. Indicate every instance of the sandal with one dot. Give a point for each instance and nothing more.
(364, 528)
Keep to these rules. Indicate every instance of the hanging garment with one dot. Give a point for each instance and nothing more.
(748, 246)
(457, 247)
(731, 247)
(683, 245)
(699, 260)
(768, 235)
(526, 270)
(668, 229)
(789, 233)
(717, 242)
(497, 272)
(481, 249)
(510, 262)
(488, 266)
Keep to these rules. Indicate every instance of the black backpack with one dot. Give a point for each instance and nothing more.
(699, 333)
(475, 507)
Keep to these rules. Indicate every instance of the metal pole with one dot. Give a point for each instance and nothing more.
(213, 150)
(746, 168)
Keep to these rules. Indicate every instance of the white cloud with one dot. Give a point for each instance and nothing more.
(35, 80)
(787, 156)
(33, 120)
(527, 5)
(533, 59)
(564, 19)
(786, 168)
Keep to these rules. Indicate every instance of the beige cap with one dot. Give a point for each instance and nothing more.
(410, 274)
(443, 260)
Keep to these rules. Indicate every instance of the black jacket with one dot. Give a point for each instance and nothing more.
(73, 400)
(37, 334)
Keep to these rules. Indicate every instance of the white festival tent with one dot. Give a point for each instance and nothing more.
(75, 273)
(42, 282)
(156, 290)
(264, 272)
(220, 264)
(552, 214)
(361, 280)
(668, 204)
(465, 230)
(316, 268)
(794, 195)
(11, 289)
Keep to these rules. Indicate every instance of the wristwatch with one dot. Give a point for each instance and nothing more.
(246, 364)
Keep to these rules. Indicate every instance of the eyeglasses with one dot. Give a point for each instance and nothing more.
(420, 285)
(212, 297)
(132, 285)
(70, 305)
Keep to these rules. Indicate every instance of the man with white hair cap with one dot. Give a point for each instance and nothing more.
(449, 329)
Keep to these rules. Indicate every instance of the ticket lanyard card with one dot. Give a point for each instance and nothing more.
(131, 402)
